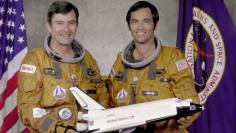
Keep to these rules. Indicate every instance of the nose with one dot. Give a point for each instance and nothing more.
(66, 27)
(140, 25)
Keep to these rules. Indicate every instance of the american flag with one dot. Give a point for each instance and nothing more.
(12, 50)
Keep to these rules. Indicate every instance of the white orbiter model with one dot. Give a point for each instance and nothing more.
(100, 119)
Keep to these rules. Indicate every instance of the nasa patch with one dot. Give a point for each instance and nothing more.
(28, 68)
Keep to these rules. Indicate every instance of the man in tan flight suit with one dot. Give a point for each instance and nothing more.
(45, 103)
(146, 70)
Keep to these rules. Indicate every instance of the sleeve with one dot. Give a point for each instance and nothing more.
(100, 86)
(29, 91)
(29, 94)
(183, 83)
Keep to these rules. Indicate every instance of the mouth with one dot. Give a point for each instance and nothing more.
(65, 35)
(140, 32)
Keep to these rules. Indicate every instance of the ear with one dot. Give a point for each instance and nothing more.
(129, 27)
(156, 26)
(48, 27)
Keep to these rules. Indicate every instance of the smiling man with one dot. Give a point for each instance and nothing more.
(45, 103)
(146, 71)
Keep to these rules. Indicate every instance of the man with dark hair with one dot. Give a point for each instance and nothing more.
(63, 8)
(146, 71)
(45, 103)
(143, 4)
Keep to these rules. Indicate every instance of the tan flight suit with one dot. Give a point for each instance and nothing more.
(166, 77)
(44, 90)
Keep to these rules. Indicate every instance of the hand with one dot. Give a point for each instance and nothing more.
(161, 123)
(81, 126)
(127, 130)
(80, 116)
(185, 121)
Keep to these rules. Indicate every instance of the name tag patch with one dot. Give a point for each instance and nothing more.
(28, 68)
(149, 93)
(91, 91)
(39, 112)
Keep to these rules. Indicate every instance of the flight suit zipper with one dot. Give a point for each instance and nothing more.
(133, 90)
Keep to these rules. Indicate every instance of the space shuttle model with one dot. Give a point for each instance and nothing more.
(100, 119)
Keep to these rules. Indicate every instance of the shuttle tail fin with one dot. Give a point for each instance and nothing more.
(84, 100)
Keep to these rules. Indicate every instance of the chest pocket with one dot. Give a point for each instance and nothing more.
(55, 86)
(121, 88)
(156, 86)
(89, 81)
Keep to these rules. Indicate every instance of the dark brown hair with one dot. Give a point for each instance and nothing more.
(143, 4)
(63, 7)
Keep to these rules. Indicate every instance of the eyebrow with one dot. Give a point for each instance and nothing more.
(65, 21)
(145, 19)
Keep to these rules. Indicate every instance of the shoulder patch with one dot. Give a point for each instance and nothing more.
(28, 68)
(181, 64)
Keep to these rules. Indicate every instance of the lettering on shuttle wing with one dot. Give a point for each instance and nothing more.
(120, 119)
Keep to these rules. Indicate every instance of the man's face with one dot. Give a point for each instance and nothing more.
(142, 25)
(63, 28)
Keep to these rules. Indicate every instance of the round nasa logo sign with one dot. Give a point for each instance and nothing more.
(205, 53)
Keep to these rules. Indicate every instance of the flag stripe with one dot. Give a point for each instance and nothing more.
(9, 120)
(25, 130)
(11, 87)
(13, 67)
(11, 100)
(18, 128)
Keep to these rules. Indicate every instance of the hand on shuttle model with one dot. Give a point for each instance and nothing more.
(80, 116)
(185, 121)
(81, 125)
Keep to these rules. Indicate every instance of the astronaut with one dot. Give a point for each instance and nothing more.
(146, 70)
(45, 103)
